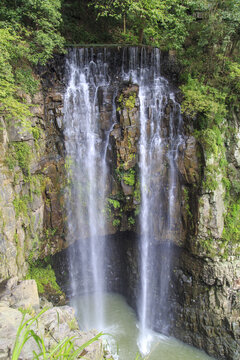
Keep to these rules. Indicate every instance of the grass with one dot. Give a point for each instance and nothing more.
(66, 349)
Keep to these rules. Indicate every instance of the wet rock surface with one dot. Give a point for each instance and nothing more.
(206, 306)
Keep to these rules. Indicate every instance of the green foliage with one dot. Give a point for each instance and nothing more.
(28, 35)
(204, 100)
(116, 222)
(19, 153)
(211, 140)
(114, 203)
(114, 211)
(210, 182)
(131, 220)
(43, 275)
(137, 210)
(38, 22)
(12, 52)
(24, 332)
(129, 177)
(36, 131)
(150, 22)
(24, 79)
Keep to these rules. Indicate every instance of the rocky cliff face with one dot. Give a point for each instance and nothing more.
(205, 279)
(32, 182)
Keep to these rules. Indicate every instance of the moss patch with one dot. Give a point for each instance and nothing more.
(45, 278)
(126, 101)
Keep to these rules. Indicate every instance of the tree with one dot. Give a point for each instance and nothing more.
(36, 21)
(154, 22)
(143, 14)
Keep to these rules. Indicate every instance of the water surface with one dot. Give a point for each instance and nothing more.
(121, 323)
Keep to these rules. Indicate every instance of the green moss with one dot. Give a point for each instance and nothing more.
(210, 182)
(10, 161)
(49, 233)
(19, 153)
(36, 182)
(44, 276)
(36, 131)
(126, 101)
(208, 245)
(231, 232)
(23, 155)
(130, 102)
(21, 205)
(211, 140)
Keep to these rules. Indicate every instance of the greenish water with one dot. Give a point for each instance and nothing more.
(121, 323)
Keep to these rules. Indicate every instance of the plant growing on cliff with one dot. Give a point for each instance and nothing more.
(114, 203)
(116, 222)
(131, 220)
(21, 205)
(231, 231)
(129, 177)
(44, 276)
(127, 101)
(204, 100)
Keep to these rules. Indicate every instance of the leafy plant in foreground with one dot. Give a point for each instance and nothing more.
(66, 349)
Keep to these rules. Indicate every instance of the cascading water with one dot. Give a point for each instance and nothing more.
(86, 155)
(86, 148)
(159, 143)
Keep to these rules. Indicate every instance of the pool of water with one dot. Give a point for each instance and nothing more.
(121, 323)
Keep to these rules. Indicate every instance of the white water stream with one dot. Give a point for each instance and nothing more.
(86, 154)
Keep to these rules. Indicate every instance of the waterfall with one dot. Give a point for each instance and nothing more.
(86, 155)
(159, 144)
(88, 82)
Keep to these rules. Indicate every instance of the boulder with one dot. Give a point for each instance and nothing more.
(23, 295)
